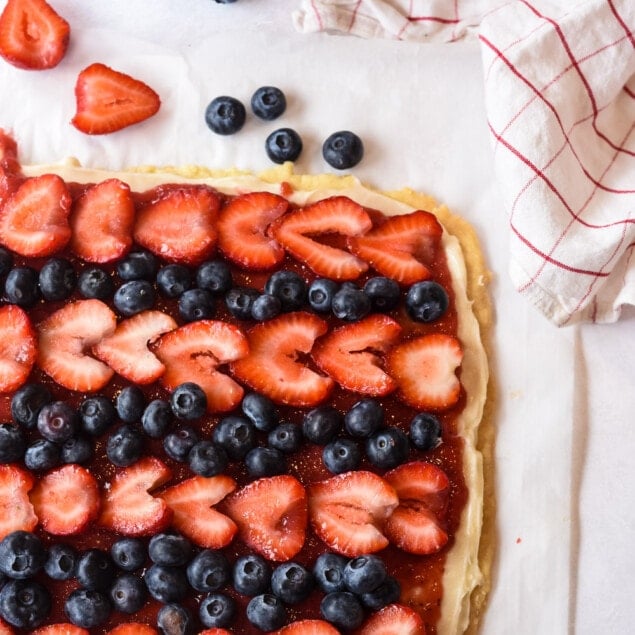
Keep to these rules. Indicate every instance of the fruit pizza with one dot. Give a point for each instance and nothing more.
(237, 404)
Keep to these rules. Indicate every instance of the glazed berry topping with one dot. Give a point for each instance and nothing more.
(208, 571)
(260, 410)
(58, 421)
(128, 593)
(173, 280)
(124, 446)
(239, 301)
(27, 402)
(61, 561)
(265, 307)
(57, 279)
(196, 304)
(6, 261)
(268, 103)
(364, 574)
(96, 415)
(236, 435)
(320, 294)
(12, 443)
(215, 276)
(24, 603)
(225, 115)
(177, 444)
(341, 455)
(130, 404)
(364, 418)
(138, 265)
(95, 283)
(251, 575)
(129, 554)
(21, 287)
(426, 301)
(328, 572)
(22, 555)
(174, 619)
(284, 144)
(217, 610)
(289, 287)
(321, 424)
(265, 462)
(387, 448)
(291, 582)
(157, 418)
(266, 612)
(343, 150)
(171, 550)
(384, 293)
(188, 401)
(425, 431)
(133, 297)
(87, 609)
(95, 570)
(342, 609)
(207, 459)
(42, 455)
(166, 584)
(286, 437)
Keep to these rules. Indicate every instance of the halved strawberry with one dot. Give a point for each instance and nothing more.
(108, 100)
(34, 220)
(17, 347)
(65, 628)
(128, 507)
(273, 366)
(101, 222)
(5, 629)
(347, 511)
(16, 510)
(133, 628)
(308, 627)
(424, 369)
(32, 34)
(423, 490)
(352, 354)
(335, 215)
(271, 514)
(401, 247)
(126, 350)
(194, 351)
(10, 170)
(192, 502)
(66, 500)
(180, 224)
(242, 224)
(66, 337)
(394, 619)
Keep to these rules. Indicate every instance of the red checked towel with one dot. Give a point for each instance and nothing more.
(560, 104)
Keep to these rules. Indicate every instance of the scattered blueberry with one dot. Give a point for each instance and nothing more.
(96, 415)
(128, 593)
(171, 550)
(87, 609)
(208, 571)
(95, 570)
(134, 297)
(251, 575)
(341, 455)
(289, 287)
(384, 293)
(215, 276)
(166, 584)
(364, 574)
(320, 295)
(268, 103)
(286, 437)
(225, 115)
(61, 561)
(387, 592)
(260, 410)
(350, 303)
(207, 459)
(124, 446)
(138, 265)
(188, 401)
(95, 283)
(26, 403)
(425, 431)
(77, 449)
(177, 444)
(217, 610)
(239, 301)
(42, 455)
(174, 619)
(22, 555)
(21, 287)
(321, 424)
(57, 421)
(130, 404)
(291, 582)
(57, 279)
(364, 418)
(265, 307)
(129, 554)
(343, 150)
(157, 418)
(24, 603)
(196, 304)
(387, 448)
(265, 462)
(12, 443)
(342, 609)
(284, 144)
(328, 572)
(266, 612)
(426, 301)
(173, 280)
(236, 435)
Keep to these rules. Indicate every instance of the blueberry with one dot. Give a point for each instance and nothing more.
(95, 283)
(208, 571)
(95, 570)
(61, 561)
(27, 402)
(426, 301)
(364, 418)
(268, 103)
(265, 307)
(12, 443)
(387, 448)
(77, 449)
(196, 304)
(289, 287)
(128, 593)
(24, 603)
(129, 554)
(87, 609)
(57, 421)
(251, 574)
(6, 261)
(384, 293)
(207, 459)
(225, 115)
(157, 418)
(236, 435)
(265, 462)
(57, 279)
(171, 550)
(134, 297)
(341, 455)
(124, 446)
(42, 455)
(328, 572)
(138, 265)
(284, 144)
(173, 280)
(425, 431)
(266, 612)
(320, 295)
(239, 301)
(286, 437)
(177, 444)
(216, 610)
(342, 609)
(364, 574)
(21, 287)
(22, 555)
(260, 410)
(321, 424)
(291, 582)
(350, 303)
(188, 401)
(215, 276)
(386, 593)
(343, 150)
(166, 584)
(174, 619)
(130, 404)
(96, 415)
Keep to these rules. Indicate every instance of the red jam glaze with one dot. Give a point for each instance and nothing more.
(420, 576)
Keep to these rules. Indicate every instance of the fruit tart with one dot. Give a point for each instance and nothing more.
(238, 404)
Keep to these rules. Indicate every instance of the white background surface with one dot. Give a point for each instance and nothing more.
(565, 436)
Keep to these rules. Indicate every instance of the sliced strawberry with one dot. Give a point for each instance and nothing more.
(352, 354)
(215, 631)
(308, 627)
(108, 100)
(10, 170)
(423, 490)
(180, 224)
(65, 338)
(273, 366)
(394, 619)
(101, 222)
(335, 215)
(5, 629)
(194, 351)
(347, 511)
(241, 230)
(17, 347)
(66, 500)
(424, 369)
(271, 514)
(192, 503)
(133, 628)
(16, 510)
(32, 34)
(34, 220)
(126, 350)
(401, 247)
(61, 629)
(129, 508)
